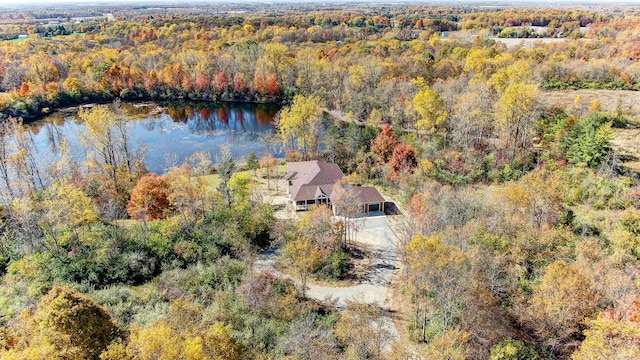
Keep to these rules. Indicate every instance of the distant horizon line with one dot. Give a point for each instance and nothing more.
(547, 3)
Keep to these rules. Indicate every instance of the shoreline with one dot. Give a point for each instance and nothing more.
(160, 105)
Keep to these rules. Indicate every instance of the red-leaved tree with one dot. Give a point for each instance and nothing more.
(403, 160)
(384, 144)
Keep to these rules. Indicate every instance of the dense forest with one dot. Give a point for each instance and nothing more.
(518, 225)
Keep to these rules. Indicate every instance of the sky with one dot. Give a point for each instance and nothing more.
(435, 2)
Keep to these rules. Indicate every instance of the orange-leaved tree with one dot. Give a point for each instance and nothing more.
(613, 334)
(403, 161)
(384, 144)
(150, 198)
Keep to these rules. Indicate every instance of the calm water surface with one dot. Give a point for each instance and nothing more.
(172, 132)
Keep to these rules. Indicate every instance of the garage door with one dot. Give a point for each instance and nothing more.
(374, 207)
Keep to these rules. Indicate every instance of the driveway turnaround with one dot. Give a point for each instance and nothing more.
(377, 235)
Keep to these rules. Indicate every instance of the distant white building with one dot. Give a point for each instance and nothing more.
(81, 19)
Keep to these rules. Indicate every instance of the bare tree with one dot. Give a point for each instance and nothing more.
(309, 340)
(363, 331)
(8, 192)
(28, 174)
(407, 228)
(346, 204)
(226, 168)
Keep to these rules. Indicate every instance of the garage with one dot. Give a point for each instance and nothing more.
(374, 207)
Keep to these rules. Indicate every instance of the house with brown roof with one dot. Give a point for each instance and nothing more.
(317, 183)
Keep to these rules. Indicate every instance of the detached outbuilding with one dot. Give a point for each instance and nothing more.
(318, 183)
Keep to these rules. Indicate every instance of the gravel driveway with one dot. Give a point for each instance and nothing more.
(377, 235)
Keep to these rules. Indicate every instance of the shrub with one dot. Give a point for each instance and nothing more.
(512, 350)
(587, 144)
(334, 266)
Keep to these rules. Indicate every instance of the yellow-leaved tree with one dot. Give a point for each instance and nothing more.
(304, 257)
(66, 211)
(115, 163)
(437, 281)
(430, 107)
(189, 194)
(183, 335)
(275, 55)
(561, 303)
(151, 343)
(300, 123)
(66, 325)
(517, 106)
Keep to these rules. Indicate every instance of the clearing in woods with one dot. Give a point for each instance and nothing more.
(626, 142)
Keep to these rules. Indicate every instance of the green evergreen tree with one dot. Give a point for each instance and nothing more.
(253, 163)
(588, 143)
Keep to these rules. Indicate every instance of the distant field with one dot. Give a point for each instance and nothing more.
(611, 100)
(626, 143)
(527, 43)
(78, 35)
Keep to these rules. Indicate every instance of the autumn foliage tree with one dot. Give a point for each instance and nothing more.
(150, 198)
(430, 106)
(436, 283)
(304, 257)
(68, 325)
(314, 241)
(300, 124)
(189, 193)
(114, 162)
(561, 303)
(612, 334)
(268, 162)
(191, 337)
(66, 211)
(384, 145)
(517, 106)
(403, 161)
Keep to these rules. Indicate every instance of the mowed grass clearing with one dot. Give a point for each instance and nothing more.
(611, 101)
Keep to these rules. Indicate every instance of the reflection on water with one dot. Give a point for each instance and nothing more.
(172, 131)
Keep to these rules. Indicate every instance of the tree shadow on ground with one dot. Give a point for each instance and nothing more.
(390, 208)
(359, 266)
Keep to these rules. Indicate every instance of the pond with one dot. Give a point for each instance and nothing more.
(171, 133)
